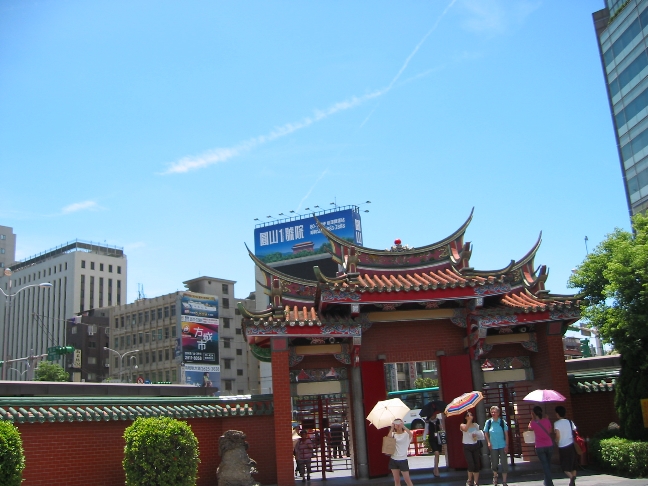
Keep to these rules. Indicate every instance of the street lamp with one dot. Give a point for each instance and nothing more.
(121, 358)
(20, 373)
(132, 367)
(8, 302)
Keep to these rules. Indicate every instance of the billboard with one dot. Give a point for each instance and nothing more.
(302, 237)
(199, 328)
(201, 375)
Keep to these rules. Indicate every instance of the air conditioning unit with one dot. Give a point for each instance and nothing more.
(107, 365)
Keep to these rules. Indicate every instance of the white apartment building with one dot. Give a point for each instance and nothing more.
(7, 246)
(147, 334)
(45, 290)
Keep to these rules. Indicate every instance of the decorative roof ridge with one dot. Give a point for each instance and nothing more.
(273, 272)
(471, 272)
(528, 258)
(547, 295)
(414, 251)
(346, 278)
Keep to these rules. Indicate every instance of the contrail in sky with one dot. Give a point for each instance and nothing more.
(211, 157)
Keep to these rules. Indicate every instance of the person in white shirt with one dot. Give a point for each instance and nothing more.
(398, 461)
(565, 441)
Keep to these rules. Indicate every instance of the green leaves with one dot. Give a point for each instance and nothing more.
(160, 452)
(47, 371)
(12, 458)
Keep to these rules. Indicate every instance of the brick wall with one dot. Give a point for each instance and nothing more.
(82, 453)
(593, 412)
(282, 441)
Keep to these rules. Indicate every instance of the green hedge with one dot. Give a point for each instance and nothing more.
(624, 456)
(160, 452)
(12, 458)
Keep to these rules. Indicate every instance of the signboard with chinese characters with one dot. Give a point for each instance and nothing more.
(302, 237)
(76, 363)
(199, 328)
(201, 375)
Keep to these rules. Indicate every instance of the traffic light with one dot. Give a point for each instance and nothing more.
(55, 351)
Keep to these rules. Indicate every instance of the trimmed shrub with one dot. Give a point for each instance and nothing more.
(627, 457)
(160, 452)
(12, 458)
(594, 446)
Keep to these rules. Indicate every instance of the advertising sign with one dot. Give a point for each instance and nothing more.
(201, 375)
(199, 328)
(302, 237)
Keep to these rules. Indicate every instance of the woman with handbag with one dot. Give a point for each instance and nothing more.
(543, 443)
(565, 439)
(472, 448)
(398, 462)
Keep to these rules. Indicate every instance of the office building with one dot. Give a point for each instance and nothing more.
(7, 246)
(622, 28)
(47, 289)
(146, 339)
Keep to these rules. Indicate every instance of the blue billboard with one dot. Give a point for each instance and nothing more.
(302, 237)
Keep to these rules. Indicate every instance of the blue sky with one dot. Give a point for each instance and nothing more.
(167, 127)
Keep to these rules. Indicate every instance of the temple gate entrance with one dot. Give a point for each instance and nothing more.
(326, 419)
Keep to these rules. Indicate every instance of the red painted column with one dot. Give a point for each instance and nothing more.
(282, 412)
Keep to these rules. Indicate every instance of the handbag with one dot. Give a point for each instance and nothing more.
(441, 436)
(579, 443)
(388, 445)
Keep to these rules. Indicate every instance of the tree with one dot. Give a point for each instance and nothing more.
(47, 371)
(425, 383)
(614, 281)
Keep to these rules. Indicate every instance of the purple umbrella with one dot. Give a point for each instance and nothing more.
(544, 396)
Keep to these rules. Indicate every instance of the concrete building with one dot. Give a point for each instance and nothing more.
(148, 332)
(622, 28)
(88, 333)
(45, 290)
(7, 246)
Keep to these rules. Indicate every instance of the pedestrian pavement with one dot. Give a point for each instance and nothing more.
(522, 474)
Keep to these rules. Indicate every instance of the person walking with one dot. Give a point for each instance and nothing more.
(398, 461)
(472, 448)
(433, 429)
(304, 454)
(543, 442)
(337, 433)
(565, 439)
(498, 443)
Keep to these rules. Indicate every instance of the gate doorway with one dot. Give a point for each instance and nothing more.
(517, 413)
(326, 419)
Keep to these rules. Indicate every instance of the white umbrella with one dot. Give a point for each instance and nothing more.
(386, 411)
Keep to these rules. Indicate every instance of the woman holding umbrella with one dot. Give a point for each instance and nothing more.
(398, 462)
(472, 449)
(543, 442)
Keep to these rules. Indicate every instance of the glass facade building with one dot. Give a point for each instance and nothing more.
(622, 31)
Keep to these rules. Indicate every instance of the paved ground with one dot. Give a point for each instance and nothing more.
(523, 474)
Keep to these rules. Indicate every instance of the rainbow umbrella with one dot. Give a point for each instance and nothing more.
(465, 402)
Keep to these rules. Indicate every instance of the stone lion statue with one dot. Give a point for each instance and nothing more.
(236, 467)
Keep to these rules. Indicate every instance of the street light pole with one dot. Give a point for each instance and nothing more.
(121, 358)
(8, 303)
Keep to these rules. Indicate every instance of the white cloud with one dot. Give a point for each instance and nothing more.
(79, 206)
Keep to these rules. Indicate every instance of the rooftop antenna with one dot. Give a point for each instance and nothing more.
(140, 291)
(586, 250)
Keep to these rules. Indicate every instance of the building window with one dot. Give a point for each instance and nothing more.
(128, 340)
(147, 337)
(166, 312)
(239, 352)
(238, 330)
(173, 313)
(227, 364)
(174, 375)
(92, 344)
(237, 311)
(226, 322)
(228, 385)
(225, 289)
(121, 320)
(91, 265)
(146, 358)
(153, 357)
(118, 269)
(166, 354)
(116, 363)
(225, 303)
(101, 267)
(140, 338)
(92, 360)
(160, 355)
(140, 317)
(109, 268)
(82, 263)
(239, 372)
(226, 343)
(159, 313)
(146, 316)
(167, 332)
(3, 237)
(173, 331)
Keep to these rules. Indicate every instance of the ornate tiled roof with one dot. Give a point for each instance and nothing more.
(95, 409)
(527, 302)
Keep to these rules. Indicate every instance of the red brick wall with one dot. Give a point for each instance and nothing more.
(282, 440)
(97, 448)
(593, 412)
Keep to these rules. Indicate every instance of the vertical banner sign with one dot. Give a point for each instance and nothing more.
(644, 411)
(198, 344)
